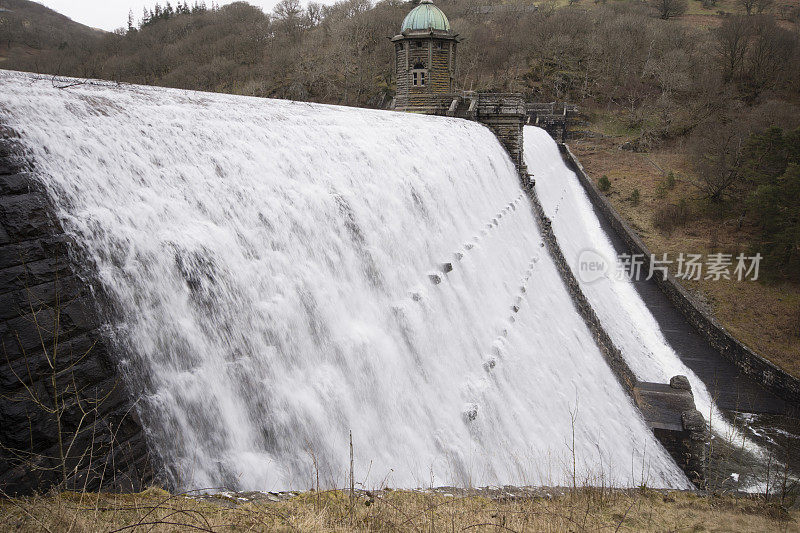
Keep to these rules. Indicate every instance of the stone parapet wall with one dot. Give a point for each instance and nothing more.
(504, 114)
(751, 364)
(552, 117)
(57, 374)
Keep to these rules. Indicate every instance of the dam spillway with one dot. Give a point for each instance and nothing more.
(277, 275)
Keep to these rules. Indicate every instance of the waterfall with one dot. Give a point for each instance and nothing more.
(619, 307)
(284, 273)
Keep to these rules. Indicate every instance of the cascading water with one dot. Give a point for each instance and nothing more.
(621, 310)
(277, 274)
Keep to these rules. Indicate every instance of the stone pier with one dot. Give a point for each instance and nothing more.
(670, 412)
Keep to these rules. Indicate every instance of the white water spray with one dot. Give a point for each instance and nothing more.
(274, 266)
(619, 307)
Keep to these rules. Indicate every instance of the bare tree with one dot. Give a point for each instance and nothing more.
(717, 151)
(289, 16)
(667, 9)
(732, 42)
(313, 13)
(770, 51)
(748, 5)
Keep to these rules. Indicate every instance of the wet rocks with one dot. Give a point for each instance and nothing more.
(680, 382)
(39, 282)
(470, 412)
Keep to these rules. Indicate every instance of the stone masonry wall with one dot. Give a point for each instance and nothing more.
(66, 418)
(504, 114)
(759, 369)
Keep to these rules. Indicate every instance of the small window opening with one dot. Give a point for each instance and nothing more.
(419, 77)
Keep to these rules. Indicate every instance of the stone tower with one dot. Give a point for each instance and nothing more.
(425, 60)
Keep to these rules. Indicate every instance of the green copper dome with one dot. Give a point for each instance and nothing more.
(425, 16)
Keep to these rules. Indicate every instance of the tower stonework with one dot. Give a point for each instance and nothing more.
(425, 60)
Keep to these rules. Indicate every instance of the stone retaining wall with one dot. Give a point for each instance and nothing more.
(57, 375)
(753, 365)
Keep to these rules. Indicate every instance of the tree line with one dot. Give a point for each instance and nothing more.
(710, 87)
(621, 54)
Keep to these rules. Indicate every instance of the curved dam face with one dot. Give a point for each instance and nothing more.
(281, 274)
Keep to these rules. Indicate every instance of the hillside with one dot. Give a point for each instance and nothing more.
(689, 95)
(618, 55)
(28, 30)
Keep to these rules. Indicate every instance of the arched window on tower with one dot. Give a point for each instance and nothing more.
(419, 75)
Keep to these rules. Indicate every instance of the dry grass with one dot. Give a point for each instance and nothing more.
(763, 316)
(582, 510)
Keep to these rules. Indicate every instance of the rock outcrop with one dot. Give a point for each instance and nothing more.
(66, 417)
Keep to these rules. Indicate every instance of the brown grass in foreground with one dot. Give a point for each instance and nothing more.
(581, 510)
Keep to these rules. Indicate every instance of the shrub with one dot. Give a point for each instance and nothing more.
(635, 197)
(666, 185)
(604, 184)
(667, 217)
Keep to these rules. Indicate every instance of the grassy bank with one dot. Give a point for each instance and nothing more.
(763, 315)
(581, 510)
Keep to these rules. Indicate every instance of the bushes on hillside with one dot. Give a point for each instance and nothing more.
(669, 216)
(755, 177)
(772, 170)
(668, 77)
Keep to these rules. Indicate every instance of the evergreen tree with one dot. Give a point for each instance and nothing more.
(773, 165)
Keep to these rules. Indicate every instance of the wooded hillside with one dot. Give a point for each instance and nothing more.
(28, 29)
(620, 52)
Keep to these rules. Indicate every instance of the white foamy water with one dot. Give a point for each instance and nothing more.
(269, 263)
(621, 310)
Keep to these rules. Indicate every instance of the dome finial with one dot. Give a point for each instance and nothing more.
(425, 16)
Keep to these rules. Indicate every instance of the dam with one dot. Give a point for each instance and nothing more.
(253, 281)
(272, 278)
